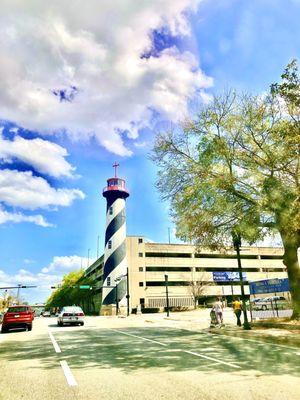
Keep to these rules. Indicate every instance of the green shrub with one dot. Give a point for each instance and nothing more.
(150, 310)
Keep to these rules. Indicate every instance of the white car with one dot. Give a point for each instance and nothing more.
(70, 315)
(273, 302)
(46, 314)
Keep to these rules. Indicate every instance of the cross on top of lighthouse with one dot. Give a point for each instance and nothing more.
(116, 186)
(116, 165)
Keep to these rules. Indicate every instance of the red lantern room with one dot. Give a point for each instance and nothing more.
(115, 186)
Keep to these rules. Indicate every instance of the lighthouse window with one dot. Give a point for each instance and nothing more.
(141, 283)
(108, 281)
(110, 210)
(141, 254)
(109, 244)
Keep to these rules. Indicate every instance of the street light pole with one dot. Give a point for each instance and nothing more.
(18, 293)
(127, 295)
(167, 295)
(117, 301)
(237, 244)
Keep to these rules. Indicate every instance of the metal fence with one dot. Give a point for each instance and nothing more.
(173, 302)
(271, 309)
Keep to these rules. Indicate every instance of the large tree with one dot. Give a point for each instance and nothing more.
(69, 292)
(235, 166)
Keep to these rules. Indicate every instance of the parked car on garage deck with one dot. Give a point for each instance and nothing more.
(273, 302)
(70, 315)
(20, 316)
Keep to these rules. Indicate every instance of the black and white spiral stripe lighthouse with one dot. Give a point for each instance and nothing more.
(115, 263)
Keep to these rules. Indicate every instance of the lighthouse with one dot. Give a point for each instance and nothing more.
(115, 264)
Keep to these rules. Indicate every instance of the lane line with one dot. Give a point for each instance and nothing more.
(139, 337)
(211, 358)
(68, 373)
(54, 342)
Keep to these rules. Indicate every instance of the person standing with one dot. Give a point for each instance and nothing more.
(218, 307)
(237, 309)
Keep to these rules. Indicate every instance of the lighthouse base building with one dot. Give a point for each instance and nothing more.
(149, 262)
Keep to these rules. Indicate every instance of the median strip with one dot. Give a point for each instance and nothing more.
(68, 373)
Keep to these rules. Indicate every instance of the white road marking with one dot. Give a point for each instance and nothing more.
(139, 337)
(54, 342)
(211, 358)
(185, 351)
(68, 373)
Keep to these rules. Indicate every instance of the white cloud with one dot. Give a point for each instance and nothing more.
(92, 54)
(28, 261)
(44, 279)
(46, 157)
(22, 189)
(65, 263)
(6, 216)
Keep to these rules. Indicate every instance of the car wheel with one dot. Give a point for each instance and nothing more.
(29, 327)
(82, 323)
(4, 330)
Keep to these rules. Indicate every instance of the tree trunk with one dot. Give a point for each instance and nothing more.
(290, 260)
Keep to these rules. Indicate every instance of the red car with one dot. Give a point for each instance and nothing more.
(17, 317)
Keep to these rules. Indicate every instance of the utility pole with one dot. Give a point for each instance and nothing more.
(88, 258)
(167, 295)
(169, 235)
(236, 237)
(97, 247)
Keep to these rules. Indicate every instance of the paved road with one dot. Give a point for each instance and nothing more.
(115, 358)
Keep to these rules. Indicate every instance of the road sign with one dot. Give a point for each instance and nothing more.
(224, 276)
(269, 286)
(84, 287)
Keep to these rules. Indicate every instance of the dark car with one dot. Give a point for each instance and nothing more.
(17, 317)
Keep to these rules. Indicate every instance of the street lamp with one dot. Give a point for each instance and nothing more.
(117, 300)
(118, 279)
(167, 294)
(236, 237)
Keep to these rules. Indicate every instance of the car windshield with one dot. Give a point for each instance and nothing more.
(17, 309)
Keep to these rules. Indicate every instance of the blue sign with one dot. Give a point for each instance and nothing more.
(223, 276)
(269, 286)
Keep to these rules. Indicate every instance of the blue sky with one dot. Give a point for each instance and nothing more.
(81, 89)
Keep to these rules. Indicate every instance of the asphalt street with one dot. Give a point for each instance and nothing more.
(139, 358)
